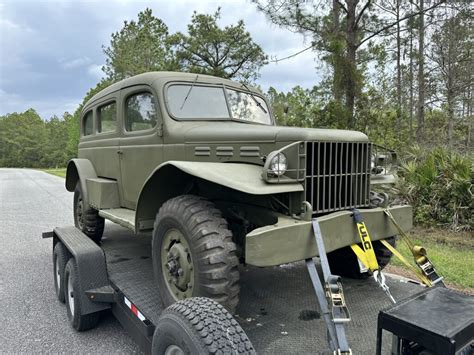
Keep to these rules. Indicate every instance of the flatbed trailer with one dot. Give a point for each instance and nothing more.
(277, 310)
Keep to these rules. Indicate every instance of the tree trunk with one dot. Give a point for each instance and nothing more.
(336, 87)
(411, 85)
(399, 74)
(450, 103)
(421, 75)
(450, 92)
(351, 65)
(470, 114)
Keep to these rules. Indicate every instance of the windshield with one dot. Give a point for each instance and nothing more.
(216, 103)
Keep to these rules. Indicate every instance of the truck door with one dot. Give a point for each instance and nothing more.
(141, 142)
(101, 149)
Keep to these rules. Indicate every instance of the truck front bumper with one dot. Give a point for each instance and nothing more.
(292, 240)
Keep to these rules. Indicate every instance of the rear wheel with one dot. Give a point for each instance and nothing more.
(72, 291)
(199, 326)
(343, 262)
(60, 258)
(86, 218)
(193, 253)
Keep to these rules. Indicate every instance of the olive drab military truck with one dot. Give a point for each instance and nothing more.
(200, 163)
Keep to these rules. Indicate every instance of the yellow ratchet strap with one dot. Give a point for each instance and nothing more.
(365, 254)
(426, 273)
(400, 257)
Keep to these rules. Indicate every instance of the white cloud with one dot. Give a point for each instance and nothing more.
(75, 63)
(12, 102)
(7, 25)
(95, 70)
(6, 97)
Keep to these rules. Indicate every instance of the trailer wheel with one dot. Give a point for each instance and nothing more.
(343, 262)
(60, 258)
(86, 218)
(199, 325)
(72, 289)
(193, 253)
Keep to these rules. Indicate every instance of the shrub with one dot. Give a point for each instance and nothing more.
(439, 186)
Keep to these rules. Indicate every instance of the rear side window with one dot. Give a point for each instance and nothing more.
(88, 124)
(140, 112)
(107, 118)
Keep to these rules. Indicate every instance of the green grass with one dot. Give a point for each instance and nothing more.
(452, 254)
(58, 172)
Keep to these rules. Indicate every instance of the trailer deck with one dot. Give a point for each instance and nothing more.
(278, 308)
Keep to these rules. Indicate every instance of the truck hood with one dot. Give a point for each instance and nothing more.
(214, 132)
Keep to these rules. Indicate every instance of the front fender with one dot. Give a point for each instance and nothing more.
(170, 179)
(241, 177)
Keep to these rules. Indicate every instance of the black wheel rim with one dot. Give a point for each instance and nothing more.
(177, 265)
(70, 295)
(80, 212)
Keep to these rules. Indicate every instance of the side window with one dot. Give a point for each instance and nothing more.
(87, 124)
(107, 118)
(140, 112)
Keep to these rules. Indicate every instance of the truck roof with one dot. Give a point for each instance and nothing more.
(150, 77)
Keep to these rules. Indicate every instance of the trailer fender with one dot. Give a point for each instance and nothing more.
(170, 179)
(91, 267)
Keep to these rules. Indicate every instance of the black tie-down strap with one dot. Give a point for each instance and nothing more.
(330, 298)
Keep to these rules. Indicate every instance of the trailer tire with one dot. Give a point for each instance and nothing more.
(199, 325)
(78, 321)
(86, 218)
(343, 262)
(60, 258)
(193, 253)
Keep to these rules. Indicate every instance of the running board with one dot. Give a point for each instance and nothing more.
(121, 216)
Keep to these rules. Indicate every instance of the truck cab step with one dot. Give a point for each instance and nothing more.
(121, 216)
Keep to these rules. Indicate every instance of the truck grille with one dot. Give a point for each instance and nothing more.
(337, 175)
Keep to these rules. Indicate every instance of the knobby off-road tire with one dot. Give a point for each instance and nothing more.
(193, 253)
(60, 258)
(72, 290)
(86, 218)
(343, 262)
(199, 325)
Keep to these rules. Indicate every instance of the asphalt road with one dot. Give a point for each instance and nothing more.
(31, 319)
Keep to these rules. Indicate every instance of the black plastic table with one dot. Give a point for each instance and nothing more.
(437, 319)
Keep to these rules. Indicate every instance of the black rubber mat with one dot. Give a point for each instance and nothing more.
(278, 307)
(130, 268)
(279, 310)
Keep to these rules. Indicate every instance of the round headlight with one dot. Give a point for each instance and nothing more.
(381, 162)
(278, 164)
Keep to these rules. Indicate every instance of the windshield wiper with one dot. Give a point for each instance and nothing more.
(253, 97)
(189, 91)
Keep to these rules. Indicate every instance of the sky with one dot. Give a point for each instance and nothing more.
(51, 51)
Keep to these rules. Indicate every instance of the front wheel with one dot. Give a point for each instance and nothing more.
(86, 218)
(193, 253)
(199, 326)
(343, 262)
